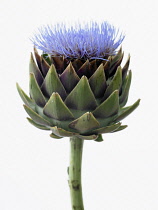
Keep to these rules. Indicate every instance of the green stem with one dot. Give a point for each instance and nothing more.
(76, 146)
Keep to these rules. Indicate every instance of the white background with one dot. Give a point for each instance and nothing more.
(121, 172)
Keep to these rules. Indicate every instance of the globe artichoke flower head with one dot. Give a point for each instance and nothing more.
(77, 85)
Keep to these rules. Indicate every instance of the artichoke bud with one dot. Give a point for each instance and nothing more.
(77, 97)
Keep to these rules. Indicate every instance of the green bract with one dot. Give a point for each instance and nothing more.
(75, 97)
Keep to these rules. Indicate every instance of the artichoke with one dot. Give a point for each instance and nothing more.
(82, 97)
(78, 89)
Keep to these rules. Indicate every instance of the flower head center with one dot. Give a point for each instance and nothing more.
(89, 41)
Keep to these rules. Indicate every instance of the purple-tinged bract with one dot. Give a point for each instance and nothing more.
(89, 41)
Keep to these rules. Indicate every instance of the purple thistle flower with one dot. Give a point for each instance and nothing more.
(88, 41)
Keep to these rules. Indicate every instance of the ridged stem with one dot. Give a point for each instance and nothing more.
(76, 147)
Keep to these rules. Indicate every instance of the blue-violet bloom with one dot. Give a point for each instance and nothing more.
(84, 41)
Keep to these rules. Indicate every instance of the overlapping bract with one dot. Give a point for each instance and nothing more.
(76, 97)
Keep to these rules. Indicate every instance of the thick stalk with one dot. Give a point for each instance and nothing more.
(76, 146)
